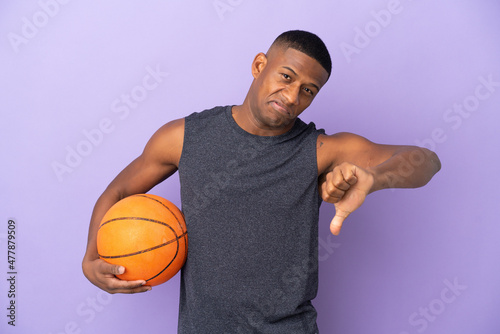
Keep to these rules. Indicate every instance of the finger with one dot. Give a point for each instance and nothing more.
(115, 285)
(330, 193)
(337, 179)
(107, 277)
(349, 174)
(136, 290)
(334, 187)
(129, 287)
(337, 221)
(108, 268)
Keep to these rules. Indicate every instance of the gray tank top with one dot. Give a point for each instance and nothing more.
(251, 205)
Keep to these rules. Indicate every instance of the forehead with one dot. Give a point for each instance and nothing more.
(302, 64)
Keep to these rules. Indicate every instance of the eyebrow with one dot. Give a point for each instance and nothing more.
(295, 73)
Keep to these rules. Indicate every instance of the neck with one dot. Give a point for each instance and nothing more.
(245, 118)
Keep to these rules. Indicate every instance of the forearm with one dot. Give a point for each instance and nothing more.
(138, 177)
(412, 167)
(105, 201)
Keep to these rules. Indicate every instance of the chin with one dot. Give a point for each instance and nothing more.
(275, 119)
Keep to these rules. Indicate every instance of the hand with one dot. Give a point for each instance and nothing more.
(102, 275)
(346, 186)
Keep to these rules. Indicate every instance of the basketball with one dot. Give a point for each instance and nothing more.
(147, 235)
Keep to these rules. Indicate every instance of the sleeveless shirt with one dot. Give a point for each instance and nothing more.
(251, 205)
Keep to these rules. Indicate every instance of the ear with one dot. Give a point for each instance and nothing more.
(258, 64)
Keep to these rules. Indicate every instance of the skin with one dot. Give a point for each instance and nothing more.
(286, 81)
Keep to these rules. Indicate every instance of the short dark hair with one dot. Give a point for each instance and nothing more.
(308, 43)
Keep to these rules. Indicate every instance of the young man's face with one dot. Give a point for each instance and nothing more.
(286, 82)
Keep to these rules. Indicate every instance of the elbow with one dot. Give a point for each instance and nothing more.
(433, 162)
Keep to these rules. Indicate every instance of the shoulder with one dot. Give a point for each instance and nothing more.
(207, 113)
(208, 118)
(166, 143)
(171, 131)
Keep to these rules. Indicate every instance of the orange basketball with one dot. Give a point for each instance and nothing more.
(147, 235)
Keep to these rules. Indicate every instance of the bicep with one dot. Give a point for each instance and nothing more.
(158, 161)
(349, 147)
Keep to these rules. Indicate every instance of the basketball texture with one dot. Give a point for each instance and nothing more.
(147, 235)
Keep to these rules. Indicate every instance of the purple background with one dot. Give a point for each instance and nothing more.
(66, 66)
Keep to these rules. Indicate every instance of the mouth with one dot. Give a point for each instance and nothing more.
(281, 108)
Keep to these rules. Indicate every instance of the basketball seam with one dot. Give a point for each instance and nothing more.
(134, 218)
(144, 250)
(168, 265)
(166, 207)
(176, 239)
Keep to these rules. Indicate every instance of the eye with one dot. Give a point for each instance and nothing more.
(309, 91)
(286, 76)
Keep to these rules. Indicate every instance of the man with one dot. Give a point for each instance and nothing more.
(252, 178)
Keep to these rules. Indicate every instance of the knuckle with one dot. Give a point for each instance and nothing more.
(331, 188)
(109, 268)
(341, 185)
(329, 177)
(338, 184)
(331, 198)
(100, 266)
(338, 193)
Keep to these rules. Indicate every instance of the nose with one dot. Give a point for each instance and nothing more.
(291, 94)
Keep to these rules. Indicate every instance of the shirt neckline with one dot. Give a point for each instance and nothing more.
(277, 138)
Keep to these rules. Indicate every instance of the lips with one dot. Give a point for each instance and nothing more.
(281, 108)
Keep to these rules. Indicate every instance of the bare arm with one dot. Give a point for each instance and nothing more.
(158, 161)
(351, 167)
